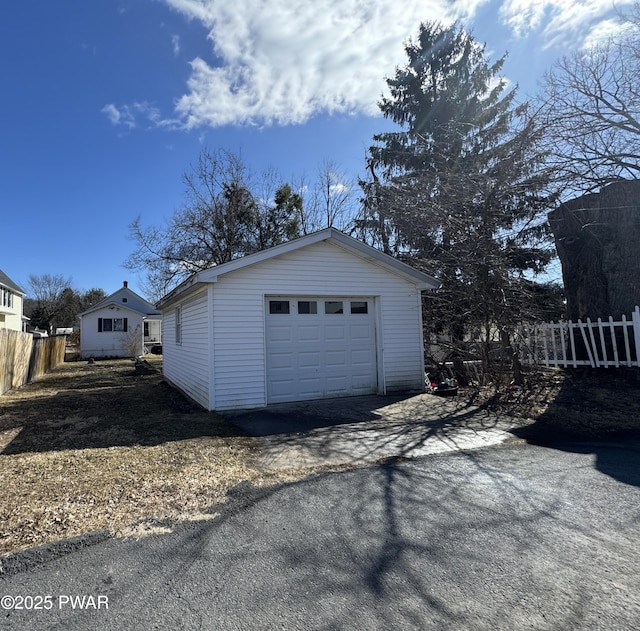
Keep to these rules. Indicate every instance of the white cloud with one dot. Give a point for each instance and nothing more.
(562, 21)
(523, 16)
(605, 31)
(338, 188)
(148, 111)
(120, 116)
(282, 61)
(127, 116)
(175, 43)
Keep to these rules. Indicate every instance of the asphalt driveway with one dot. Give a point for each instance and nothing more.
(360, 430)
(505, 538)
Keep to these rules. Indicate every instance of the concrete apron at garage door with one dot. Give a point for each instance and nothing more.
(368, 429)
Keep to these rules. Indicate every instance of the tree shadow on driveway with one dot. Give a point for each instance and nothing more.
(359, 430)
(620, 460)
(595, 411)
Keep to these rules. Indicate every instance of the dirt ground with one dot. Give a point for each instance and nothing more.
(100, 447)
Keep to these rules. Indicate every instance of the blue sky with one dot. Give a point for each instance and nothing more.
(107, 102)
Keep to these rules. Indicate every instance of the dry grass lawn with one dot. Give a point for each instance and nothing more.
(93, 447)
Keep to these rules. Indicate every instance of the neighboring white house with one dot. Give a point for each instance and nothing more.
(320, 316)
(121, 325)
(11, 296)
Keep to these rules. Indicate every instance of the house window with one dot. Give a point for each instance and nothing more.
(146, 329)
(333, 306)
(359, 306)
(179, 324)
(307, 307)
(7, 298)
(279, 306)
(125, 300)
(107, 325)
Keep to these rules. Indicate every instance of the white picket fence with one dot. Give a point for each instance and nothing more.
(601, 344)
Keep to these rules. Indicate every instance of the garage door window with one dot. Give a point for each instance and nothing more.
(279, 307)
(307, 307)
(333, 306)
(359, 307)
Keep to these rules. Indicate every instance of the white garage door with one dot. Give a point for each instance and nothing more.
(320, 347)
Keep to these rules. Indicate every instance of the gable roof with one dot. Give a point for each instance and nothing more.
(132, 301)
(9, 284)
(331, 235)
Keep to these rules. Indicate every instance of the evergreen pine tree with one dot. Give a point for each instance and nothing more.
(460, 188)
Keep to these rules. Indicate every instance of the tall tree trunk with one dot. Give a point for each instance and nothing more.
(597, 237)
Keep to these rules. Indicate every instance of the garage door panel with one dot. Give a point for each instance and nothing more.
(335, 333)
(336, 359)
(361, 358)
(362, 384)
(321, 353)
(360, 332)
(336, 384)
(309, 333)
(282, 360)
(311, 387)
(281, 387)
(309, 360)
(280, 333)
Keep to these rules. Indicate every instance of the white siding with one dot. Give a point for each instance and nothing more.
(11, 317)
(321, 269)
(94, 343)
(155, 332)
(186, 365)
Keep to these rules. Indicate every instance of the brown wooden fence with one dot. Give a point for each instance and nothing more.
(23, 358)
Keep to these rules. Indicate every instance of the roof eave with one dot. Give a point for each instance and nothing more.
(113, 304)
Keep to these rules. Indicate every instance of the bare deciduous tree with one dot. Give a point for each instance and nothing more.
(333, 201)
(47, 291)
(592, 105)
(222, 218)
(53, 303)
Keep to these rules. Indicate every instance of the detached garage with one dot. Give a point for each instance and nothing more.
(320, 316)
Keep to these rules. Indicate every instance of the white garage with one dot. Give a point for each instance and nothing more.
(320, 316)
